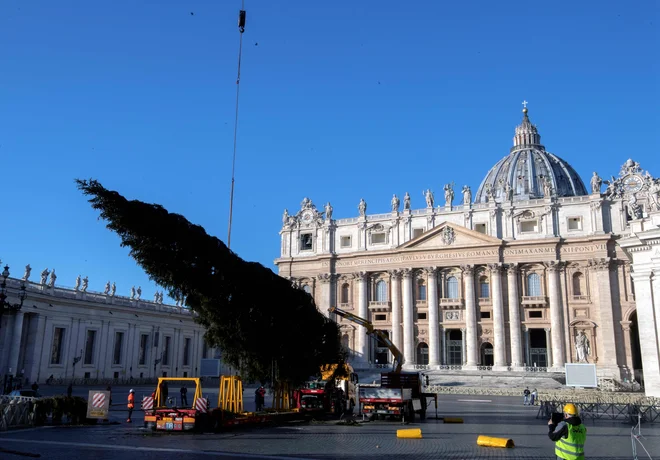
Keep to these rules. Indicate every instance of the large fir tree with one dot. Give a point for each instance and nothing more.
(256, 317)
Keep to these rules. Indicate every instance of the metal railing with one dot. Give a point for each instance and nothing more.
(16, 412)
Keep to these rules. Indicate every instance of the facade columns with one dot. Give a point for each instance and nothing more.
(528, 358)
(548, 344)
(607, 334)
(470, 317)
(499, 363)
(395, 283)
(463, 352)
(408, 320)
(326, 302)
(363, 312)
(442, 333)
(556, 316)
(648, 332)
(434, 326)
(16, 343)
(514, 316)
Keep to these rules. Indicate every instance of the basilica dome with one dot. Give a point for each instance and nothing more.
(529, 171)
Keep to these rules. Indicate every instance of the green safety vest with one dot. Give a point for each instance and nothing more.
(572, 448)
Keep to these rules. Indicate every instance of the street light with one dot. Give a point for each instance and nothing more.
(4, 305)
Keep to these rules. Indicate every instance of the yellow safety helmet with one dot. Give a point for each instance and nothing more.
(570, 409)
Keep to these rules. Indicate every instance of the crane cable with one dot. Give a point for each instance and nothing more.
(241, 29)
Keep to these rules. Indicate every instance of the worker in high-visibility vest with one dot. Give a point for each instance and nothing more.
(131, 404)
(569, 435)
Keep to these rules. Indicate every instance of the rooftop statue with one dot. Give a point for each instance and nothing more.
(395, 203)
(406, 202)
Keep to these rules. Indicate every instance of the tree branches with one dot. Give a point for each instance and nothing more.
(253, 315)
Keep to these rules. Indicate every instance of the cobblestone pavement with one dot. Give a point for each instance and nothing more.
(501, 417)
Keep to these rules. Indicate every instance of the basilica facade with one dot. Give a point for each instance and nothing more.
(525, 274)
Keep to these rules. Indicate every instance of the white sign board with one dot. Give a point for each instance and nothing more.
(98, 404)
(581, 375)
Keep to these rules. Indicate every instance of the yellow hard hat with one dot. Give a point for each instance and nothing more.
(570, 409)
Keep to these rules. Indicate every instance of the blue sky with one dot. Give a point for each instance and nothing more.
(339, 100)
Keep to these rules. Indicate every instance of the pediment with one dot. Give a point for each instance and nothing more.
(446, 236)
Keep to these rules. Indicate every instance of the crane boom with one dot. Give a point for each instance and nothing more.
(396, 354)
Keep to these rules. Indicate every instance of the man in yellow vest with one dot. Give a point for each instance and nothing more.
(569, 435)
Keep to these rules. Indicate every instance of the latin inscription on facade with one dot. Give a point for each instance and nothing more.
(412, 258)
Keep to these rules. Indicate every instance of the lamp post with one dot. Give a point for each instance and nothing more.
(8, 306)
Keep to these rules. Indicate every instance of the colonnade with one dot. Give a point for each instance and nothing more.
(403, 320)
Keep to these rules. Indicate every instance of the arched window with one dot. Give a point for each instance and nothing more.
(422, 353)
(381, 291)
(452, 288)
(534, 285)
(344, 293)
(578, 284)
(307, 289)
(421, 290)
(484, 287)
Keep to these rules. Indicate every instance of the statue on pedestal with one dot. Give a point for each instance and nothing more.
(132, 292)
(406, 202)
(547, 187)
(328, 211)
(53, 277)
(395, 203)
(634, 209)
(28, 271)
(106, 291)
(285, 217)
(430, 199)
(85, 284)
(508, 192)
(582, 347)
(77, 285)
(113, 289)
(467, 195)
(449, 195)
(44, 276)
(138, 293)
(596, 183)
(156, 297)
(362, 207)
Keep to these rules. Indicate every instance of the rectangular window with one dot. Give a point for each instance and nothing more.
(421, 315)
(485, 315)
(156, 335)
(89, 347)
(535, 314)
(186, 352)
(417, 232)
(380, 317)
(306, 242)
(575, 223)
(529, 226)
(205, 350)
(142, 357)
(166, 351)
(119, 342)
(481, 228)
(377, 238)
(345, 241)
(58, 343)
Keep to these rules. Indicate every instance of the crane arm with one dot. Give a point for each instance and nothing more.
(396, 354)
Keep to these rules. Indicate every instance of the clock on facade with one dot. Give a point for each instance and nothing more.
(307, 217)
(633, 183)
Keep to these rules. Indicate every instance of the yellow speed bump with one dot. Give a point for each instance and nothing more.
(487, 441)
(409, 433)
(452, 420)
